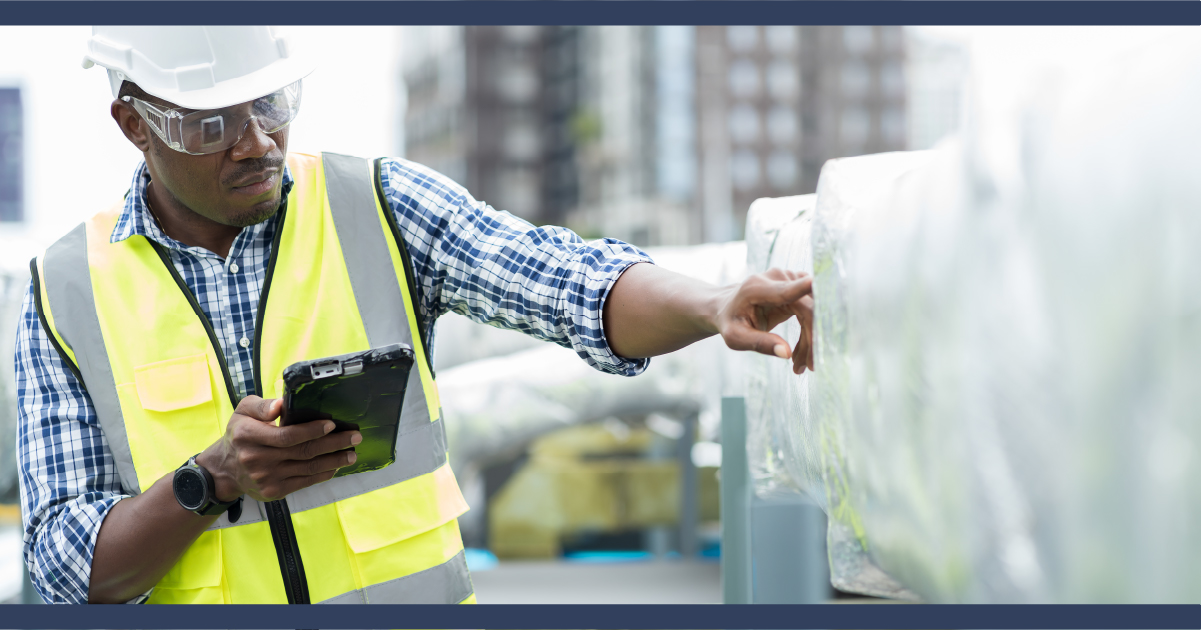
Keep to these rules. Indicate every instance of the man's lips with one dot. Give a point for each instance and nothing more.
(256, 184)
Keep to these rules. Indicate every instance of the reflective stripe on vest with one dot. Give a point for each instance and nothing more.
(160, 388)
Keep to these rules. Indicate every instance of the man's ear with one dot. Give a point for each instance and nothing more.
(131, 125)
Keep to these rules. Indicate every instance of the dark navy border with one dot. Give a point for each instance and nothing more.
(654, 617)
(580, 12)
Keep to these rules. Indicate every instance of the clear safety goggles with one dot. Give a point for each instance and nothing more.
(200, 132)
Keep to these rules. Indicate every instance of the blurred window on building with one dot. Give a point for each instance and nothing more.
(520, 34)
(744, 124)
(782, 125)
(892, 39)
(892, 125)
(744, 169)
(858, 40)
(676, 111)
(854, 126)
(892, 78)
(521, 141)
(516, 82)
(782, 80)
(782, 170)
(855, 79)
(518, 188)
(744, 78)
(781, 40)
(742, 38)
(12, 155)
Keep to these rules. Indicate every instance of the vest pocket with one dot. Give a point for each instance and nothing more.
(170, 414)
(418, 505)
(196, 578)
(174, 383)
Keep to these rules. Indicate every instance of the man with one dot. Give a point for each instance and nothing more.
(154, 336)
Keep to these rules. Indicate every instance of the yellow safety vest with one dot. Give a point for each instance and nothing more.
(125, 321)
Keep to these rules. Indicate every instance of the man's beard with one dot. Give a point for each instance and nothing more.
(253, 216)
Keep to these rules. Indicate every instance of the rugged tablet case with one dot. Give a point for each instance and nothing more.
(361, 391)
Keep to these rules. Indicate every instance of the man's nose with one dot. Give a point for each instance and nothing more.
(255, 143)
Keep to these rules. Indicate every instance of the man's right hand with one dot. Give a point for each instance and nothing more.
(268, 462)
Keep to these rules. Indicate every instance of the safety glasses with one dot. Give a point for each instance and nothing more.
(200, 132)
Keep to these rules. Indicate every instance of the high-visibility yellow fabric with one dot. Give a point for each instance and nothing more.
(175, 403)
(311, 310)
(170, 382)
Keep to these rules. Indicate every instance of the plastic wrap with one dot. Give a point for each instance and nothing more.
(1008, 341)
(781, 445)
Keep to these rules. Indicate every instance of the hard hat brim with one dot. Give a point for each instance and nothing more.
(242, 89)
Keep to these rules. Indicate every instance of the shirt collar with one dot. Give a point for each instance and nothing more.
(136, 219)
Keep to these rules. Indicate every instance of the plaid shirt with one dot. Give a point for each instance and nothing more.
(467, 258)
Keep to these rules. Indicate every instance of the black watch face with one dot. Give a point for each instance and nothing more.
(189, 488)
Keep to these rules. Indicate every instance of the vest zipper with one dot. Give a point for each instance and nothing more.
(284, 536)
(278, 516)
(283, 533)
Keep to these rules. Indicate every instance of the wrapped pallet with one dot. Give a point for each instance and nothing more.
(1007, 350)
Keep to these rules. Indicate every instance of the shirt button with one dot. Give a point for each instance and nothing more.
(233, 267)
(244, 342)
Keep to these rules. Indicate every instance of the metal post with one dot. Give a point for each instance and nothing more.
(735, 504)
(788, 546)
(689, 501)
(28, 595)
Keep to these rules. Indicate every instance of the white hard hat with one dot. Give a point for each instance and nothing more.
(198, 67)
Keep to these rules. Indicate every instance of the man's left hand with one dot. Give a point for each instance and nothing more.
(762, 302)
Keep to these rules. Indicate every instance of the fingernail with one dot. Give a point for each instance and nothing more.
(781, 351)
(329, 426)
(356, 438)
(351, 458)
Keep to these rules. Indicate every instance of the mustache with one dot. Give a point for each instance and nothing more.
(252, 167)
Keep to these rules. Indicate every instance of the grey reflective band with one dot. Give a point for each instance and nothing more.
(68, 282)
(446, 583)
(420, 444)
(365, 250)
(377, 290)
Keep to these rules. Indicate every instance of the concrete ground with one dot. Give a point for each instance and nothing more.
(554, 582)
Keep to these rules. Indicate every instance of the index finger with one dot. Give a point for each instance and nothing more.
(779, 292)
(291, 435)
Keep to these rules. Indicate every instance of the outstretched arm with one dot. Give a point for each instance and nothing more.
(652, 311)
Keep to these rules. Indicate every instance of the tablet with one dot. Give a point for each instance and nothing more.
(361, 391)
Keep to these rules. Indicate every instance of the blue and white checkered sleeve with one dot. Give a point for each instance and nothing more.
(500, 270)
(68, 477)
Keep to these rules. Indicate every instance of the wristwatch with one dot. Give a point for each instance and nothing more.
(195, 491)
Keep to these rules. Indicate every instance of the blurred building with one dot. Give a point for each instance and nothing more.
(12, 155)
(793, 97)
(479, 110)
(659, 135)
